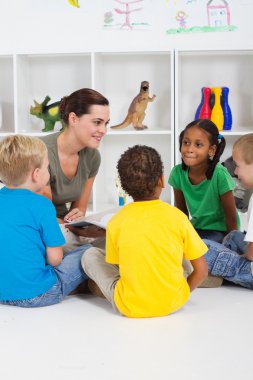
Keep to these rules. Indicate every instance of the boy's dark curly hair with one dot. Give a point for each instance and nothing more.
(140, 168)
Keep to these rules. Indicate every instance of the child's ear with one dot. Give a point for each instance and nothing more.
(212, 150)
(35, 174)
(161, 182)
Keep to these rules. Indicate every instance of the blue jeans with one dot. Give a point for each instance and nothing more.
(232, 267)
(69, 274)
(211, 235)
(235, 242)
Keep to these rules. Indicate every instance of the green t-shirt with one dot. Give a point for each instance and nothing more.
(203, 200)
(63, 189)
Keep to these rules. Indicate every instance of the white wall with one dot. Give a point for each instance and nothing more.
(31, 26)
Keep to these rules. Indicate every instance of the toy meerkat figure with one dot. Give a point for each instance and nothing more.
(136, 111)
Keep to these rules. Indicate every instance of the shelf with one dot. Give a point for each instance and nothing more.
(134, 132)
(7, 94)
(195, 69)
(175, 77)
(119, 77)
(238, 132)
(232, 69)
(54, 75)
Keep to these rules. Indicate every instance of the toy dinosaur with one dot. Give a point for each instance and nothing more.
(136, 111)
(49, 113)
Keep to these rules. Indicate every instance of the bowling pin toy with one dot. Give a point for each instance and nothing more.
(205, 112)
(217, 113)
(200, 104)
(226, 110)
(121, 192)
(212, 100)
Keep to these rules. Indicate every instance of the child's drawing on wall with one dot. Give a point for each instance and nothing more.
(181, 18)
(218, 13)
(128, 15)
(201, 15)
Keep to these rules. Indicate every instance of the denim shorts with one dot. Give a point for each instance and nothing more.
(228, 264)
(211, 235)
(235, 241)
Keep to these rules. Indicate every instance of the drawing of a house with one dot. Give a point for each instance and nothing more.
(218, 13)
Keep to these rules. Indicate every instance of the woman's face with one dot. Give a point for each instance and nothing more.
(90, 128)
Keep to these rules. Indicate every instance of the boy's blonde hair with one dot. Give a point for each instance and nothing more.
(245, 145)
(19, 155)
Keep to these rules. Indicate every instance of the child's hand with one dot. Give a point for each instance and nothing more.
(249, 252)
(74, 214)
(224, 239)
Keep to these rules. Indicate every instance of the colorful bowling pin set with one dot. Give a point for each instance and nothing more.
(214, 106)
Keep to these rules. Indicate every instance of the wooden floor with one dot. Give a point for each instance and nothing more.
(82, 338)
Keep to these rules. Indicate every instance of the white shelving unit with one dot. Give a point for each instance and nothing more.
(195, 69)
(175, 77)
(117, 75)
(7, 94)
(39, 75)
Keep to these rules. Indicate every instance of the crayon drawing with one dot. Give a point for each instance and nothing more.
(189, 16)
(128, 15)
(74, 3)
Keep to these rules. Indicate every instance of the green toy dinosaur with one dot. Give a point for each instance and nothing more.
(49, 113)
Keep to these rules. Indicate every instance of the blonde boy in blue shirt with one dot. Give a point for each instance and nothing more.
(33, 271)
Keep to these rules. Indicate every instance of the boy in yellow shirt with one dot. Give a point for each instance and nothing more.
(146, 241)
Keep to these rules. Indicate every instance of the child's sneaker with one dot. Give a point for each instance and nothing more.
(82, 288)
(94, 289)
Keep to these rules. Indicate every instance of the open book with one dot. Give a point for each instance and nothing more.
(100, 219)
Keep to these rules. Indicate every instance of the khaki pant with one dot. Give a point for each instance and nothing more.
(106, 275)
(103, 274)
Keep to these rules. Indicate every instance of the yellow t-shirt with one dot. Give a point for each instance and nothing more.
(148, 240)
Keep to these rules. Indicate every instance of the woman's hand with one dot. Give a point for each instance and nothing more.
(74, 214)
(91, 231)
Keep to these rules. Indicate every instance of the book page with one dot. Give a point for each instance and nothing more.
(100, 219)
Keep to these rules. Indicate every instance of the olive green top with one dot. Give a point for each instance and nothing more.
(66, 190)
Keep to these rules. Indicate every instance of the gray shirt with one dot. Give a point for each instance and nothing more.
(66, 190)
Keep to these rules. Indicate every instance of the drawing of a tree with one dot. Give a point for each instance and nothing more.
(127, 11)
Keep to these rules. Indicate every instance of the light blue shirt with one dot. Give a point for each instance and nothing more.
(28, 225)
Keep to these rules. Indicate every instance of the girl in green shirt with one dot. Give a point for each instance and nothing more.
(202, 186)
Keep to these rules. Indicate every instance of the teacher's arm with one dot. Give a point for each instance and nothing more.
(79, 207)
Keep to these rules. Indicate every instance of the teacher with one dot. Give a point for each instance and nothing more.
(73, 155)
